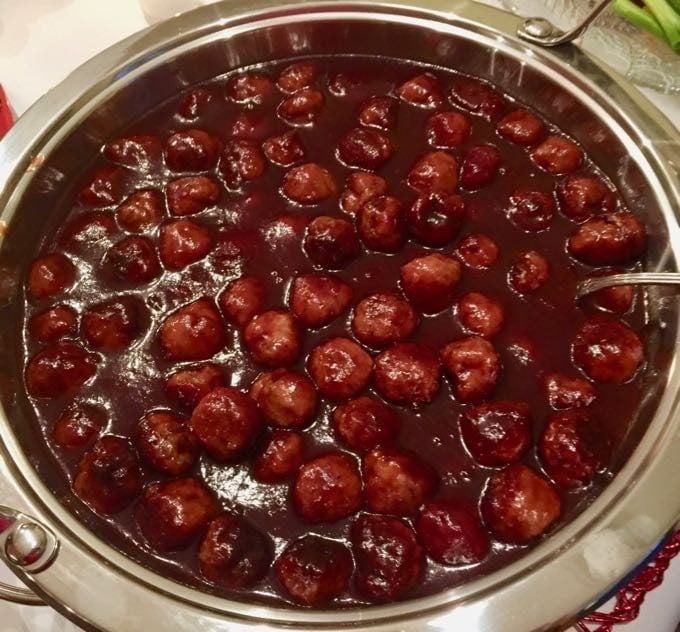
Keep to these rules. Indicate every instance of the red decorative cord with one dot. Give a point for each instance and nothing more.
(630, 598)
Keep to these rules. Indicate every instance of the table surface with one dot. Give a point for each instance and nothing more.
(41, 41)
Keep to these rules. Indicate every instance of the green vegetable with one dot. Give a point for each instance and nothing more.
(659, 17)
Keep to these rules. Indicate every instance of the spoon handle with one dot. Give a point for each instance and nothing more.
(628, 278)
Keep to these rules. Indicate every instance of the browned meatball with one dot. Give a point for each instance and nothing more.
(479, 314)
(302, 107)
(558, 155)
(60, 368)
(564, 392)
(447, 129)
(183, 242)
(423, 91)
(408, 373)
(476, 96)
(436, 171)
(86, 230)
(581, 197)
(365, 148)
(193, 332)
(314, 570)
(192, 194)
(317, 299)
(273, 338)
(286, 398)
(309, 184)
(233, 553)
(519, 505)
(617, 299)
(107, 477)
(529, 272)
(430, 281)
(328, 488)
(522, 127)
(133, 260)
(477, 251)
(608, 240)
(360, 188)
(242, 161)
(382, 224)
(284, 150)
(396, 482)
(166, 443)
(113, 325)
(607, 350)
(226, 422)
(531, 211)
(171, 515)
(53, 323)
(138, 151)
(379, 112)
(252, 88)
(187, 387)
(140, 212)
(365, 423)
(194, 103)
(242, 300)
(479, 167)
(78, 425)
(383, 318)
(435, 219)
(340, 368)
(331, 242)
(279, 457)
(191, 150)
(104, 187)
(474, 367)
(50, 275)
(298, 75)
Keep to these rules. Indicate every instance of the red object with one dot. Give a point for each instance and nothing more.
(6, 118)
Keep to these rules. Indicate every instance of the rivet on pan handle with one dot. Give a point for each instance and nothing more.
(27, 546)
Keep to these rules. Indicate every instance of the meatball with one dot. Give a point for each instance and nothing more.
(191, 195)
(496, 433)
(53, 323)
(529, 272)
(187, 387)
(447, 129)
(340, 368)
(365, 423)
(479, 314)
(172, 514)
(286, 398)
(430, 281)
(284, 150)
(302, 107)
(50, 275)
(581, 197)
(474, 367)
(273, 338)
(423, 91)
(242, 161)
(279, 457)
(408, 373)
(477, 251)
(328, 488)
(298, 75)
(607, 350)
(360, 188)
(382, 224)
(191, 150)
(519, 505)
(558, 155)
(60, 368)
(309, 184)
(314, 570)
(233, 553)
(78, 425)
(193, 332)
(364, 148)
(379, 112)
(113, 325)
(331, 242)
(252, 88)
(317, 299)
(617, 299)
(194, 103)
(436, 171)
(165, 442)
(226, 423)
(479, 167)
(141, 211)
(522, 128)
(138, 151)
(530, 211)
(183, 242)
(609, 239)
(564, 392)
(434, 219)
(242, 300)
(477, 97)
(133, 260)
(107, 477)
(389, 560)
(383, 318)
(104, 187)
(87, 229)
(452, 533)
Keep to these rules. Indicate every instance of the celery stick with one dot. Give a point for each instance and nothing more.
(636, 15)
(669, 20)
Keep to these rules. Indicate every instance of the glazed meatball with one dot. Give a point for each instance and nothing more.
(105, 187)
(248, 125)
(165, 442)
(364, 148)
(191, 195)
(365, 423)
(477, 97)
(609, 239)
(183, 242)
(436, 171)
(187, 387)
(479, 167)
(78, 425)
(226, 423)
(331, 242)
(171, 515)
(87, 229)
(430, 281)
(298, 75)
(530, 211)
(340, 368)
(379, 112)
(581, 197)
(250, 89)
(191, 150)
(242, 161)
(479, 314)
(113, 325)
(558, 155)
(382, 224)
(564, 392)
(519, 505)
(193, 332)
(389, 560)
(133, 260)
(273, 338)
(50, 275)
(141, 211)
(452, 533)
(314, 570)
(617, 299)
(279, 457)
(408, 373)
(284, 150)
(286, 398)
(474, 367)
(423, 91)
(496, 433)
(607, 350)
(242, 300)
(477, 251)
(434, 219)
(447, 129)
(302, 107)
(360, 188)
(396, 482)
(233, 553)
(138, 151)
(60, 368)
(522, 128)
(529, 272)
(107, 477)
(328, 488)
(53, 323)
(194, 103)
(317, 299)
(309, 184)
(383, 318)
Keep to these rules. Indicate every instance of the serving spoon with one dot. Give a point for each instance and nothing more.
(588, 286)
